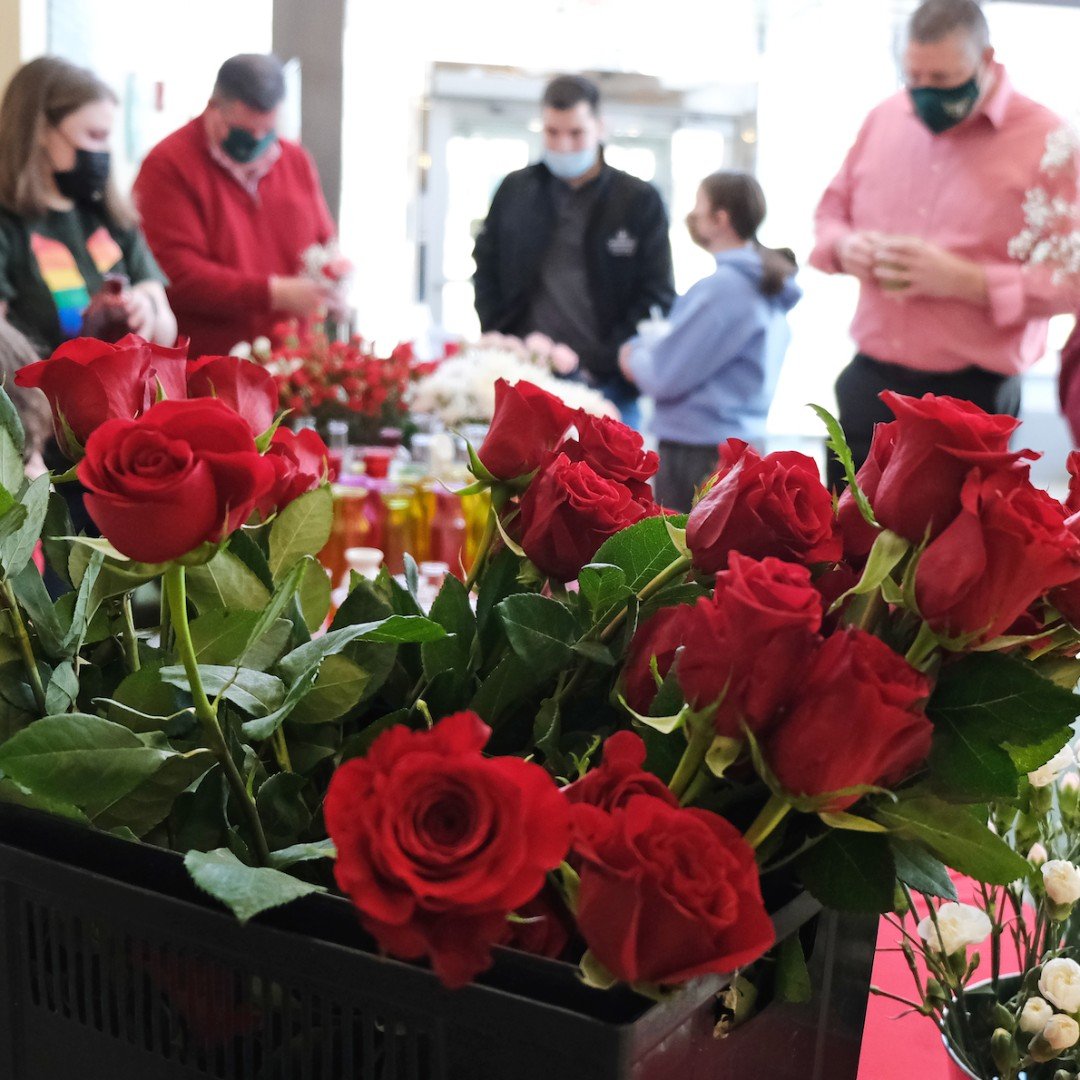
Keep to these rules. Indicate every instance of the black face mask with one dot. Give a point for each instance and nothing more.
(85, 183)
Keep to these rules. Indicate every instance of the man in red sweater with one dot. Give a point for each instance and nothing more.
(228, 209)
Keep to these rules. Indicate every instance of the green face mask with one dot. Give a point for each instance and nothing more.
(940, 109)
(243, 147)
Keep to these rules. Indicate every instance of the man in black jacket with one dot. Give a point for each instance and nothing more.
(574, 248)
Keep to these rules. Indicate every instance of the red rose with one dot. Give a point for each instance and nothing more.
(613, 450)
(246, 387)
(933, 445)
(667, 894)
(857, 533)
(1007, 546)
(528, 422)
(619, 777)
(88, 382)
(772, 505)
(438, 844)
(169, 366)
(757, 635)
(660, 636)
(568, 511)
(548, 929)
(856, 719)
(185, 473)
(301, 463)
(1072, 463)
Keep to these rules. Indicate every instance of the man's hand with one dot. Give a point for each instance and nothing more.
(908, 266)
(298, 296)
(624, 361)
(855, 253)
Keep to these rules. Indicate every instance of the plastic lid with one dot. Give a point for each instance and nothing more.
(377, 461)
(363, 558)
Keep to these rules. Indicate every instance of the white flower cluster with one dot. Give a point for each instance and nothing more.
(462, 389)
(1051, 233)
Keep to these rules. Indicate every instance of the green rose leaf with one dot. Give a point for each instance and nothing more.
(80, 759)
(540, 630)
(245, 890)
(955, 837)
(850, 871)
(302, 528)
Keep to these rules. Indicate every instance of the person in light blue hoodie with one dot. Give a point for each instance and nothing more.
(713, 372)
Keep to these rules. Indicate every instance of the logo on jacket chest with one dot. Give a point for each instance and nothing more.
(622, 244)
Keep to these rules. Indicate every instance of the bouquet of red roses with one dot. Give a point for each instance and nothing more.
(338, 380)
(623, 741)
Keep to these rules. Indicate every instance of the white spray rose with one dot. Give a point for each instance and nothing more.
(1035, 1015)
(1037, 855)
(1059, 983)
(1046, 774)
(1061, 1031)
(1062, 881)
(1070, 782)
(960, 925)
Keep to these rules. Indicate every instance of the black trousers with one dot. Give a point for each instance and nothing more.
(864, 378)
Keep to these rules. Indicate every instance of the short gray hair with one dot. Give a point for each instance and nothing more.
(933, 20)
(256, 79)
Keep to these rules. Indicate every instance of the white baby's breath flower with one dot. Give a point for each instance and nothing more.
(1062, 881)
(1059, 983)
(1035, 1015)
(1046, 774)
(960, 925)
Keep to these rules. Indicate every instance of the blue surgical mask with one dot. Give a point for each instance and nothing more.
(943, 108)
(569, 164)
(243, 147)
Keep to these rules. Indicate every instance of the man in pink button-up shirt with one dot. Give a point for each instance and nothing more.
(922, 212)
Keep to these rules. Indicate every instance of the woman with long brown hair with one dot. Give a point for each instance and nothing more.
(713, 372)
(72, 258)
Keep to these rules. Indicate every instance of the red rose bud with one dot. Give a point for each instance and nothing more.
(301, 463)
(527, 423)
(437, 844)
(659, 637)
(88, 382)
(245, 386)
(547, 928)
(619, 777)
(1007, 546)
(1072, 463)
(169, 367)
(759, 632)
(933, 445)
(759, 506)
(857, 533)
(855, 720)
(184, 474)
(667, 894)
(613, 450)
(568, 511)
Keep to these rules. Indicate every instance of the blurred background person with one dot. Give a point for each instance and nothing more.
(72, 258)
(230, 209)
(922, 212)
(574, 248)
(713, 371)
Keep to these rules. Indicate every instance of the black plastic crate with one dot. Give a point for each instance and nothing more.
(114, 967)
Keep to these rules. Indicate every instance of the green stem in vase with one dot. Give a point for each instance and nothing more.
(175, 587)
(131, 639)
(281, 750)
(22, 640)
(671, 571)
(772, 813)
